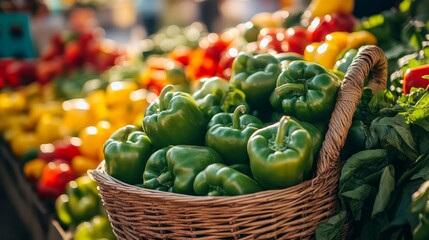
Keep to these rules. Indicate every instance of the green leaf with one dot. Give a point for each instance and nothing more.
(364, 158)
(402, 220)
(423, 172)
(332, 228)
(419, 169)
(393, 133)
(385, 189)
(356, 198)
(359, 179)
(382, 99)
(373, 226)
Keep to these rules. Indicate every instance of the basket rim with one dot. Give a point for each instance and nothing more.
(99, 174)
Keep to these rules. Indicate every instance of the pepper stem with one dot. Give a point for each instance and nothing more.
(236, 116)
(280, 136)
(164, 91)
(288, 87)
(126, 131)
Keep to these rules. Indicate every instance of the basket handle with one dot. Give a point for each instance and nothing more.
(369, 58)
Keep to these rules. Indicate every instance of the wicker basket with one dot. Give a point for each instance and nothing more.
(291, 213)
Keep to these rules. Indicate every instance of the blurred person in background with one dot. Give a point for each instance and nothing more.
(179, 12)
(234, 12)
(209, 13)
(149, 14)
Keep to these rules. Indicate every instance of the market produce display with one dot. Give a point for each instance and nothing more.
(229, 114)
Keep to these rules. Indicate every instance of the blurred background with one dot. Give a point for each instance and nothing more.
(126, 21)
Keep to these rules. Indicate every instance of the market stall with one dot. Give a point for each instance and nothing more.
(288, 120)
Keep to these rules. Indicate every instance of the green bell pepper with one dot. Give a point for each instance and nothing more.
(281, 154)
(80, 202)
(174, 168)
(126, 153)
(211, 85)
(356, 139)
(344, 62)
(221, 180)
(307, 91)
(256, 76)
(216, 95)
(286, 58)
(317, 131)
(317, 135)
(420, 205)
(97, 228)
(228, 134)
(178, 111)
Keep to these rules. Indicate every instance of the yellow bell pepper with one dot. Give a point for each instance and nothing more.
(327, 52)
(93, 138)
(11, 132)
(17, 120)
(38, 109)
(119, 116)
(324, 54)
(23, 141)
(12, 102)
(318, 8)
(360, 38)
(50, 128)
(77, 115)
(268, 19)
(98, 106)
(118, 92)
(340, 39)
(81, 164)
(33, 169)
(310, 51)
(139, 101)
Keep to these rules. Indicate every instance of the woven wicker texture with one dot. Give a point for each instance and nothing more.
(292, 213)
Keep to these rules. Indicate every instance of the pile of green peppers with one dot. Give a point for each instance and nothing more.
(80, 210)
(261, 129)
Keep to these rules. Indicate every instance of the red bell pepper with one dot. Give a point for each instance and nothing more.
(3, 65)
(64, 149)
(20, 72)
(67, 148)
(54, 179)
(417, 77)
(280, 40)
(204, 60)
(224, 68)
(335, 22)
